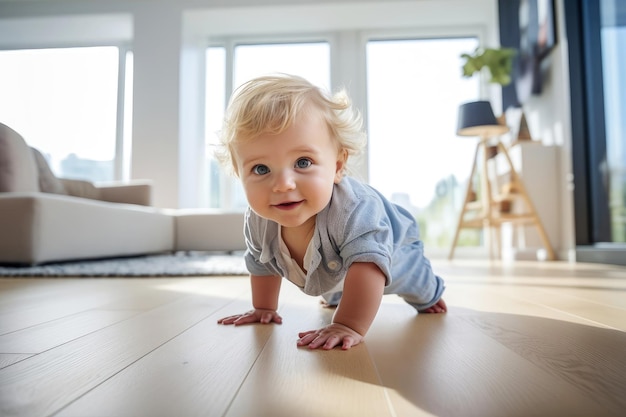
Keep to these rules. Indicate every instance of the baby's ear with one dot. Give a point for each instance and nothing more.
(342, 159)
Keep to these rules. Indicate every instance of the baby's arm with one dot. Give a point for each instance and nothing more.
(362, 294)
(265, 291)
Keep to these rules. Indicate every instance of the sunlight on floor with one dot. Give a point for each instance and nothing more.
(210, 286)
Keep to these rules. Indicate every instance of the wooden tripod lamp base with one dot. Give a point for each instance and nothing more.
(490, 210)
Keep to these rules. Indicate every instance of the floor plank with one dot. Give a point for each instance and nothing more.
(62, 298)
(195, 374)
(43, 384)
(520, 339)
(7, 359)
(598, 313)
(450, 369)
(591, 359)
(288, 381)
(258, 354)
(42, 337)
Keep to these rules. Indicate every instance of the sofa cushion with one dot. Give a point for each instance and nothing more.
(40, 227)
(18, 171)
(48, 182)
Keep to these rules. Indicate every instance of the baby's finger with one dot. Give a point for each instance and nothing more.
(266, 318)
(331, 342)
(348, 342)
(318, 341)
(302, 334)
(306, 339)
(245, 319)
(228, 320)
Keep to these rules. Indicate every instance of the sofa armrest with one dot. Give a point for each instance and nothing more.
(134, 192)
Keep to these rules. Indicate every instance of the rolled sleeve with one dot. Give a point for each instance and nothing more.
(368, 237)
(254, 267)
(255, 246)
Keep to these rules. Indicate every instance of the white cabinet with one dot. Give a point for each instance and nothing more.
(538, 167)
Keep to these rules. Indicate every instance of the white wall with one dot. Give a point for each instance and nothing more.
(548, 117)
(166, 37)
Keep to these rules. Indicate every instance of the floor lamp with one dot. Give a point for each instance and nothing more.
(477, 119)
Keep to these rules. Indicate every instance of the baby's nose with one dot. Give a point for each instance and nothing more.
(285, 181)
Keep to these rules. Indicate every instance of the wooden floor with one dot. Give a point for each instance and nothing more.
(523, 339)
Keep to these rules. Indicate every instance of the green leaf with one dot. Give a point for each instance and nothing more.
(499, 63)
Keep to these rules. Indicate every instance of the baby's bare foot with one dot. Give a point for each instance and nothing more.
(438, 307)
(326, 305)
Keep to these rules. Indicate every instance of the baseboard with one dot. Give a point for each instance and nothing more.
(604, 253)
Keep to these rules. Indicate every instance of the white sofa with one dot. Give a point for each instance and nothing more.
(44, 218)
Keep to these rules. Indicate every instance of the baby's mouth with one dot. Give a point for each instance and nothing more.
(287, 205)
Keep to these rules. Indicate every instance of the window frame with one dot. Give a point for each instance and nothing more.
(350, 46)
(485, 90)
(230, 43)
(120, 171)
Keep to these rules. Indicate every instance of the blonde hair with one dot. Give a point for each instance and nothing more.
(270, 104)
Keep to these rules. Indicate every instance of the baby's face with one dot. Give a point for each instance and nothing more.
(289, 177)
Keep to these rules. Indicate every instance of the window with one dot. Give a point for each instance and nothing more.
(68, 103)
(309, 60)
(414, 88)
(613, 40)
(596, 36)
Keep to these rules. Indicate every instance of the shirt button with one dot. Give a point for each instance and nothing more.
(333, 265)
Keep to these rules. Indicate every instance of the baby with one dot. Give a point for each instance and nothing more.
(329, 234)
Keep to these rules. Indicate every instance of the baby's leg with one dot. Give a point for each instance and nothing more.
(331, 299)
(419, 286)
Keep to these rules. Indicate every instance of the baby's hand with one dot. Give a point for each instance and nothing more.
(328, 337)
(253, 316)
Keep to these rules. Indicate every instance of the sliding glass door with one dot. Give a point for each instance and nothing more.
(613, 45)
(597, 40)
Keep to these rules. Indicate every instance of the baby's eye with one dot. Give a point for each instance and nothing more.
(260, 169)
(303, 163)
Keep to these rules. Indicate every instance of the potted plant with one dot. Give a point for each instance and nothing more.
(497, 61)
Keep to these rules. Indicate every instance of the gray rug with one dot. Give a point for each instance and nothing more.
(177, 264)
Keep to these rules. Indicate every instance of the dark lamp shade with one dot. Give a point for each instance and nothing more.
(477, 119)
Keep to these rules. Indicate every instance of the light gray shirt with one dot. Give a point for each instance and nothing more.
(358, 225)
